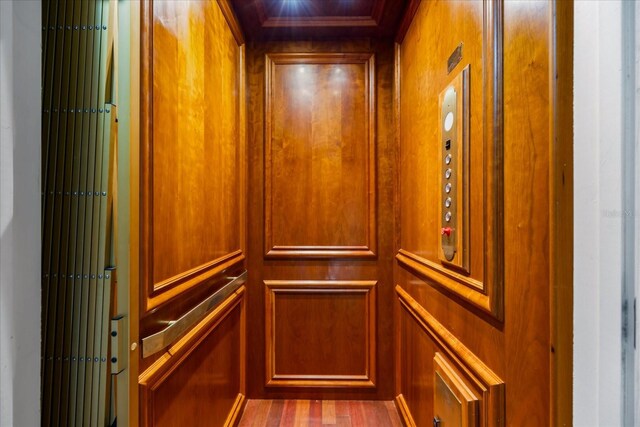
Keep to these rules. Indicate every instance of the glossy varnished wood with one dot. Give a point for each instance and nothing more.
(192, 166)
(422, 78)
(297, 353)
(320, 120)
(201, 377)
(306, 269)
(302, 413)
(517, 348)
(561, 216)
(192, 210)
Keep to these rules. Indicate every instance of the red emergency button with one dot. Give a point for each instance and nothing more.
(446, 230)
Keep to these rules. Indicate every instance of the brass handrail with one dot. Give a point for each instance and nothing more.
(162, 339)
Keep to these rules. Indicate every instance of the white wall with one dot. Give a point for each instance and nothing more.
(20, 35)
(598, 216)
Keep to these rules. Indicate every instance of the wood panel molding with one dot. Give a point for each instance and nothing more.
(154, 377)
(455, 385)
(155, 293)
(236, 411)
(367, 248)
(310, 289)
(405, 413)
(486, 294)
(320, 21)
(466, 365)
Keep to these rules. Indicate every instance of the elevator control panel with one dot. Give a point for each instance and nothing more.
(454, 172)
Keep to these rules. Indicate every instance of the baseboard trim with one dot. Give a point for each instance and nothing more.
(233, 419)
(403, 410)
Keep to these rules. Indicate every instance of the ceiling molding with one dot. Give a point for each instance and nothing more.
(320, 21)
(407, 18)
(369, 18)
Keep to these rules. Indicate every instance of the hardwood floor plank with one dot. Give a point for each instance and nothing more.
(375, 413)
(262, 412)
(275, 413)
(249, 413)
(328, 412)
(302, 416)
(316, 413)
(343, 421)
(288, 413)
(357, 414)
(342, 408)
(392, 411)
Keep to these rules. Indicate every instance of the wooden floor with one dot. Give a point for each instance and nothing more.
(299, 413)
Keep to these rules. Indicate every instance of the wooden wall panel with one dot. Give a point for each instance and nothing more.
(320, 181)
(477, 27)
(192, 161)
(426, 348)
(326, 268)
(320, 333)
(201, 377)
(500, 314)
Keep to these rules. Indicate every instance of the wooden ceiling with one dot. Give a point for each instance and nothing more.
(299, 19)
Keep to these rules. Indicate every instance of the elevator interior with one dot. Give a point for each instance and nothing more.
(307, 199)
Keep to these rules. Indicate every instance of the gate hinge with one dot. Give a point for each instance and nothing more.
(118, 345)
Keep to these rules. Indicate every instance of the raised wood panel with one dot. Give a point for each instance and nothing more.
(200, 377)
(427, 350)
(320, 333)
(320, 180)
(445, 25)
(192, 167)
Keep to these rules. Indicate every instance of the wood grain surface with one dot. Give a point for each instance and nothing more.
(345, 187)
(517, 348)
(297, 353)
(192, 148)
(303, 413)
(320, 165)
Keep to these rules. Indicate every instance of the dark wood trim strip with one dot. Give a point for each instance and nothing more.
(493, 140)
(319, 58)
(320, 22)
(232, 21)
(407, 18)
(146, 153)
(377, 10)
(561, 215)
